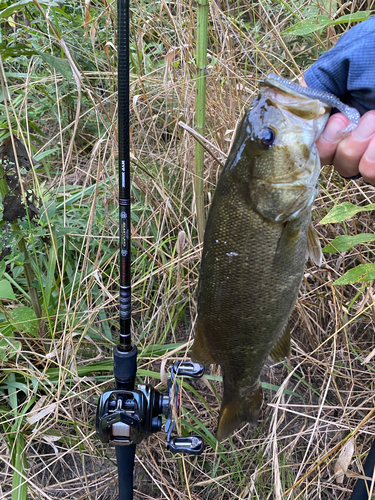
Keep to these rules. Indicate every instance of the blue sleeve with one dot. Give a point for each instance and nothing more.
(348, 69)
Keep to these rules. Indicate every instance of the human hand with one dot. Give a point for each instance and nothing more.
(351, 155)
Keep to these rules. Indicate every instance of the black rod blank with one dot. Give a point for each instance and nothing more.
(125, 463)
(124, 173)
(124, 354)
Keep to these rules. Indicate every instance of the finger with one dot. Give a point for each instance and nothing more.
(329, 140)
(367, 163)
(351, 149)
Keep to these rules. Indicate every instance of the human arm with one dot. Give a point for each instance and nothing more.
(348, 71)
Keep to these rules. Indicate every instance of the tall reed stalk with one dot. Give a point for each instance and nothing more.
(200, 111)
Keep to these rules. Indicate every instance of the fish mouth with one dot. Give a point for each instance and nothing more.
(308, 112)
(299, 105)
(291, 115)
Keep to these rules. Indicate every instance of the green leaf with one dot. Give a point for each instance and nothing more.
(6, 290)
(24, 318)
(363, 272)
(273, 387)
(51, 210)
(50, 272)
(19, 49)
(62, 66)
(19, 484)
(356, 17)
(208, 436)
(61, 231)
(344, 243)
(2, 268)
(344, 211)
(12, 395)
(309, 25)
(9, 348)
(18, 5)
(318, 22)
(78, 196)
(43, 154)
(17, 271)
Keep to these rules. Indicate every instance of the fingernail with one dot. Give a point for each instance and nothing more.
(366, 127)
(370, 151)
(330, 132)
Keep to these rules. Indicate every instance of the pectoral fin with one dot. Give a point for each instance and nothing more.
(314, 250)
(281, 349)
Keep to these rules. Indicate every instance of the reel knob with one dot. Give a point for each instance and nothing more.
(188, 369)
(191, 445)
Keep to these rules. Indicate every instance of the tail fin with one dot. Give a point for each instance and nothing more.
(235, 410)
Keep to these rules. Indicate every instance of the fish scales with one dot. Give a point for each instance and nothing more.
(241, 289)
(257, 236)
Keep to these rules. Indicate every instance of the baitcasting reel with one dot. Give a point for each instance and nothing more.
(127, 417)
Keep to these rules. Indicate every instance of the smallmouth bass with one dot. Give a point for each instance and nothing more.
(257, 237)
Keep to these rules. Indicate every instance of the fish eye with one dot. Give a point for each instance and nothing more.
(267, 137)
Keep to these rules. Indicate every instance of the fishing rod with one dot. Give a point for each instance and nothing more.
(128, 414)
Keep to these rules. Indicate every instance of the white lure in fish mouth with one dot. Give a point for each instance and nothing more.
(324, 97)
